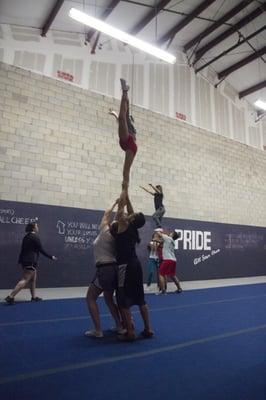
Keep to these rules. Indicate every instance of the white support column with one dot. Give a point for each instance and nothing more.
(261, 135)
(118, 74)
(171, 92)
(8, 45)
(193, 97)
(212, 102)
(230, 116)
(49, 55)
(246, 119)
(146, 85)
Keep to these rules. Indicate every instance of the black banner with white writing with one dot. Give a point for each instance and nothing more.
(204, 250)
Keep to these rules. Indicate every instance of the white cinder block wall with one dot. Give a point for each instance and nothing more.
(59, 146)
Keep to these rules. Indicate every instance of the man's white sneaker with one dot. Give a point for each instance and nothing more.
(119, 331)
(92, 333)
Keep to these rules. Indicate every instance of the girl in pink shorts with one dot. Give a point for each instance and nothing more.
(126, 132)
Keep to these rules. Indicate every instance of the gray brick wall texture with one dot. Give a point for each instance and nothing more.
(59, 146)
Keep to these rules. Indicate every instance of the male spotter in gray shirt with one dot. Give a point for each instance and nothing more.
(104, 247)
(105, 279)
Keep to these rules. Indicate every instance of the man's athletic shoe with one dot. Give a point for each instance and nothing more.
(92, 333)
(36, 299)
(127, 338)
(10, 300)
(119, 331)
(147, 334)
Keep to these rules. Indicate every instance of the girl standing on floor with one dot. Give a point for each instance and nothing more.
(153, 262)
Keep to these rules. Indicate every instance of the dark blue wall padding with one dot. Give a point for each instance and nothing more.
(206, 250)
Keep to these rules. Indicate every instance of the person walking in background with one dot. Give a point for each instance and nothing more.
(157, 193)
(28, 259)
(168, 265)
(126, 132)
(105, 279)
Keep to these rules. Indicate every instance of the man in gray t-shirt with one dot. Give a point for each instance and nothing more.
(105, 279)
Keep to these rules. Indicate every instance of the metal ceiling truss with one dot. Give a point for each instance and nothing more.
(95, 44)
(170, 11)
(252, 89)
(107, 11)
(50, 19)
(173, 31)
(137, 28)
(223, 74)
(149, 17)
(230, 14)
(239, 43)
(243, 22)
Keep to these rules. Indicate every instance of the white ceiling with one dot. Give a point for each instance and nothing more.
(33, 13)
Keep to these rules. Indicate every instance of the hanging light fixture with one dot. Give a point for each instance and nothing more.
(120, 35)
(260, 104)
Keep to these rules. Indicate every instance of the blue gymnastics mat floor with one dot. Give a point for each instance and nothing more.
(209, 344)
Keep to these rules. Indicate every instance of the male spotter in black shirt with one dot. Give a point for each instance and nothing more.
(28, 259)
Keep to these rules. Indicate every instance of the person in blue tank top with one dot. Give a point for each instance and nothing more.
(130, 279)
(153, 261)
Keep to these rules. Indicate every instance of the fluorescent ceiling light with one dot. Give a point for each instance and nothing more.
(261, 104)
(120, 35)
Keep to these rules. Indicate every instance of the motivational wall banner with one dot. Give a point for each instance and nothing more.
(204, 250)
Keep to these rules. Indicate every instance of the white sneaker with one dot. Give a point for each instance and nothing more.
(124, 85)
(119, 331)
(92, 333)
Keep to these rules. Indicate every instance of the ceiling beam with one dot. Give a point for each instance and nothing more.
(173, 31)
(149, 17)
(50, 19)
(244, 21)
(239, 43)
(107, 11)
(230, 14)
(95, 44)
(252, 89)
(242, 63)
